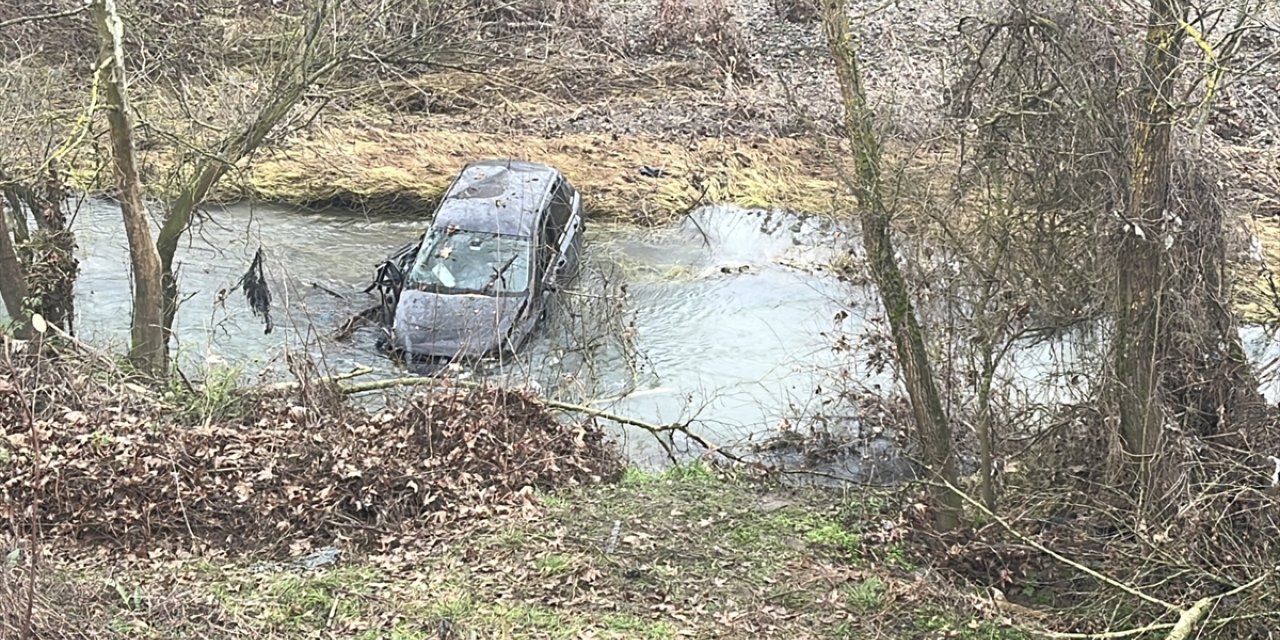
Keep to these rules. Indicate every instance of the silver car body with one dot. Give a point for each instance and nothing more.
(505, 236)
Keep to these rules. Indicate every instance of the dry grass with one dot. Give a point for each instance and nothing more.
(561, 88)
(709, 26)
(409, 171)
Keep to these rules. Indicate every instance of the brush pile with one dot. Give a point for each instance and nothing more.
(115, 467)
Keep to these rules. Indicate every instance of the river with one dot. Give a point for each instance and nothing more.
(724, 322)
(726, 331)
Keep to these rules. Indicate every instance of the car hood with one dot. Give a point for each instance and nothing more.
(448, 325)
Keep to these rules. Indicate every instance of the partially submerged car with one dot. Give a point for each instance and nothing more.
(505, 237)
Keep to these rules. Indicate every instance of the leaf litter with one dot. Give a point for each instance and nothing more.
(302, 470)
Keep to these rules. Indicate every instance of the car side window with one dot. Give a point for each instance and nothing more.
(561, 209)
(555, 222)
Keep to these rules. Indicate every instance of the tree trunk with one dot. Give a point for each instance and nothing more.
(13, 283)
(149, 345)
(20, 231)
(1143, 271)
(933, 428)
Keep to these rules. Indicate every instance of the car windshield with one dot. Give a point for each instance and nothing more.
(457, 261)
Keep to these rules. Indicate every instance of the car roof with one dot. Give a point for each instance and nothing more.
(500, 196)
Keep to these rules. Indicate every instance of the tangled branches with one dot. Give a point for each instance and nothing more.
(1045, 120)
(1044, 125)
(707, 26)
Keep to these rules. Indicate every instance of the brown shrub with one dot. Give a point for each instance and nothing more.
(46, 608)
(707, 26)
(118, 470)
(796, 10)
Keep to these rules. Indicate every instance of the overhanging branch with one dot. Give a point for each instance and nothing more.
(13, 22)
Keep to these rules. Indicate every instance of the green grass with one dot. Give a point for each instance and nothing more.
(698, 553)
(866, 596)
(552, 500)
(696, 472)
(215, 398)
(834, 536)
(935, 621)
(632, 476)
(552, 564)
(688, 472)
(299, 602)
(630, 626)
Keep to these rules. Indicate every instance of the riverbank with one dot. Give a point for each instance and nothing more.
(387, 171)
(220, 511)
(173, 510)
(686, 553)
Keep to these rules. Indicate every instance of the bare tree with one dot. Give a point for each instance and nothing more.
(1141, 270)
(933, 427)
(312, 62)
(148, 345)
(1177, 355)
(41, 266)
(327, 41)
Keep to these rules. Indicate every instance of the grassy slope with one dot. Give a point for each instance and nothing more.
(696, 556)
(370, 166)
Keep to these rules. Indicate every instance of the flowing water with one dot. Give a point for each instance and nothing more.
(721, 320)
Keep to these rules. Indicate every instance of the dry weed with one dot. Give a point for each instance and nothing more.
(708, 26)
(796, 10)
(46, 608)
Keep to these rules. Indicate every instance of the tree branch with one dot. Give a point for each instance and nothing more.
(658, 431)
(45, 16)
(1004, 524)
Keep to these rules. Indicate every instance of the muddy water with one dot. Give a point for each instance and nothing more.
(719, 323)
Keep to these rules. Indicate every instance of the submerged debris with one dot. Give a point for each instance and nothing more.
(256, 291)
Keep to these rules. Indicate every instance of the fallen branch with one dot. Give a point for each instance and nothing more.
(287, 386)
(317, 285)
(661, 432)
(362, 319)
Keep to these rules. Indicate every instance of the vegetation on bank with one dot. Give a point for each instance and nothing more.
(387, 171)
(228, 512)
(689, 552)
(215, 511)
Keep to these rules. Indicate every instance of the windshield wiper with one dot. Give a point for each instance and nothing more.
(497, 273)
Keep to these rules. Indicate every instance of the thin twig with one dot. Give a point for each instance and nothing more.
(1187, 618)
(12, 22)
